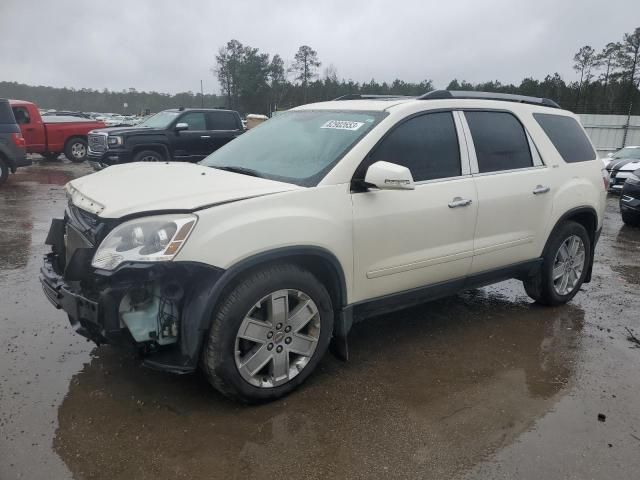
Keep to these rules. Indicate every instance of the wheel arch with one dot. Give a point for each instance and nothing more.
(319, 261)
(588, 218)
(155, 147)
(72, 138)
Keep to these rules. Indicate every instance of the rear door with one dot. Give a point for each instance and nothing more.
(31, 128)
(223, 127)
(514, 190)
(191, 144)
(405, 239)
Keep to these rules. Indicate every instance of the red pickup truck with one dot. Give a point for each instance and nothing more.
(51, 136)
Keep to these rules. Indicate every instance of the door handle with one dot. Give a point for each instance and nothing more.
(540, 189)
(204, 137)
(459, 202)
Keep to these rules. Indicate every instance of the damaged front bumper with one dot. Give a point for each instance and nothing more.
(159, 309)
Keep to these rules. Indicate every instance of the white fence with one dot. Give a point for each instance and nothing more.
(611, 132)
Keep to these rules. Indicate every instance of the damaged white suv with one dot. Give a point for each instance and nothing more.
(249, 263)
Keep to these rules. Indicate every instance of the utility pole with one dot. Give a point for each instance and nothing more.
(201, 95)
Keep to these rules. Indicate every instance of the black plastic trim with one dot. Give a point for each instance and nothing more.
(397, 301)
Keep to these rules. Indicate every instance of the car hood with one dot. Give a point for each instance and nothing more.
(623, 164)
(135, 188)
(127, 130)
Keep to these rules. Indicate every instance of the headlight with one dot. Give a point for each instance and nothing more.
(113, 141)
(150, 239)
(634, 178)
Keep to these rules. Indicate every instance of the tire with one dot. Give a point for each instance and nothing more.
(148, 156)
(225, 354)
(631, 219)
(76, 150)
(51, 157)
(542, 287)
(4, 170)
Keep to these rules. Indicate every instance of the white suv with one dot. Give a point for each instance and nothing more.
(252, 261)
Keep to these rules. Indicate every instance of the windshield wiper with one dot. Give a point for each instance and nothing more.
(241, 170)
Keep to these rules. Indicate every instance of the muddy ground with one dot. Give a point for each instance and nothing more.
(481, 385)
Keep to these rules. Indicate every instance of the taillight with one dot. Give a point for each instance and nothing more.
(18, 140)
(605, 178)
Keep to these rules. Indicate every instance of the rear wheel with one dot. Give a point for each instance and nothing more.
(76, 150)
(564, 266)
(268, 334)
(148, 156)
(4, 170)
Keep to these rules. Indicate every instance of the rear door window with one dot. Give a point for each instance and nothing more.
(567, 136)
(427, 145)
(500, 141)
(222, 121)
(22, 115)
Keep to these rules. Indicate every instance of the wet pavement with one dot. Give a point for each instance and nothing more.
(481, 385)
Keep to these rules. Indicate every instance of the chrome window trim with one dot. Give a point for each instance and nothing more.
(445, 179)
(536, 158)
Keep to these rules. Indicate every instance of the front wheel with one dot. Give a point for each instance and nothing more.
(268, 334)
(148, 156)
(564, 266)
(76, 150)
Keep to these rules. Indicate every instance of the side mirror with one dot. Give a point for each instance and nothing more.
(182, 126)
(610, 154)
(389, 176)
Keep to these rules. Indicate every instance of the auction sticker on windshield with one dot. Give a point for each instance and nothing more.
(342, 125)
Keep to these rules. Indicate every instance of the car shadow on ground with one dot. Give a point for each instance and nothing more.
(457, 378)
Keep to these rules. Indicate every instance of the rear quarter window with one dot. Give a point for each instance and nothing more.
(567, 136)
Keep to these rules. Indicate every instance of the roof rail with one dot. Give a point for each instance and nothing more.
(366, 96)
(505, 97)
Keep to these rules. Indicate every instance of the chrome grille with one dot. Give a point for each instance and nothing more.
(98, 142)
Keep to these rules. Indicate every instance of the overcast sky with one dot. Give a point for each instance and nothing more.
(169, 45)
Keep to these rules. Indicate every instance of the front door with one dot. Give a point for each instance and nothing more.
(404, 239)
(191, 144)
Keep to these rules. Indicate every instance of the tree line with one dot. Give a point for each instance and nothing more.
(608, 80)
(105, 101)
(252, 81)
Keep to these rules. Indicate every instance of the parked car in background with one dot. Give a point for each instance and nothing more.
(186, 135)
(630, 199)
(52, 135)
(12, 145)
(65, 113)
(621, 165)
(250, 262)
(253, 120)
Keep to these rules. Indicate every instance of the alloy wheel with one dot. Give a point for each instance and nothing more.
(277, 338)
(78, 150)
(568, 265)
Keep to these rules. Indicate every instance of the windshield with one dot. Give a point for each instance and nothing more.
(627, 153)
(160, 120)
(297, 147)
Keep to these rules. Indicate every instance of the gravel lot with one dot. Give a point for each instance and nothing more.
(481, 385)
